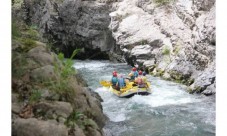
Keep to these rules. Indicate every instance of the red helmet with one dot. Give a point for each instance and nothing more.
(134, 69)
(114, 73)
(140, 72)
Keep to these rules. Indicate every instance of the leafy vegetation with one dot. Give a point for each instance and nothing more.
(18, 65)
(80, 119)
(67, 69)
(64, 71)
(15, 30)
(177, 49)
(163, 2)
(143, 42)
(165, 50)
(17, 3)
(35, 96)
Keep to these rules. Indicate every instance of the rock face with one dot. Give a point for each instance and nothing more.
(43, 104)
(175, 40)
(34, 127)
(48, 97)
(72, 24)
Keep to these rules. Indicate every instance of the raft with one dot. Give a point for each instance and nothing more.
(129, 90)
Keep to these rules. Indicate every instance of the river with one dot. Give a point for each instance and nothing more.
(168, 111)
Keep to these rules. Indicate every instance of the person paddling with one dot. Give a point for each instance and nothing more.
(141, 81)
(133, 74)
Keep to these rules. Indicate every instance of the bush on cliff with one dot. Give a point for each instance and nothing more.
(163, 2)
(165, 50)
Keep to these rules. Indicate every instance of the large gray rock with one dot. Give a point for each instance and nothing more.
(210, 90)
(204, 5)
(41, 55)
(45, 73)
(142, 51)
(53, 109)
(85, 102)
(34, 127)
(78, 131)
(205, 79)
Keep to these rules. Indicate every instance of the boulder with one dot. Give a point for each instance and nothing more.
(142, 51)
(44, 73)
(86, 103)
(78, 131)
(40, 55)
(34, 127)
(205, 79)
(53, 109)
(210, 90)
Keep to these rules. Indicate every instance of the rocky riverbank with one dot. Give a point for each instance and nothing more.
(48, 97)
(174, 39)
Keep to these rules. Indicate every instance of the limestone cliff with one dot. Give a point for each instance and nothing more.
(174, 39)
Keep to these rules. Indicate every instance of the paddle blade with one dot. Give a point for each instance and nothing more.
(105, 83)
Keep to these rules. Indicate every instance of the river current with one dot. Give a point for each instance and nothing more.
(168, 111)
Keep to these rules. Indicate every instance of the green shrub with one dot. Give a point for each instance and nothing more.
(34, 27)
(32, 34)
(17, 3)
(35, 96)
(143, 42)
(19, 63)
(176, 50)
(163, 2)
(81, 120)
(29, 42)
(15, 30)
(62, 84)
(165, 50)
(73, 118)
(68, 69)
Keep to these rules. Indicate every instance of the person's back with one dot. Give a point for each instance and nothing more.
(121, 82)
(114, 79)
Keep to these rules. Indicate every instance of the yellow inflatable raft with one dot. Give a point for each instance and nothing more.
(129, 90)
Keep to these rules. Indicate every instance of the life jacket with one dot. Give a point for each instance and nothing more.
(140, 80)
(114, 80)
(135, 74)
(121, 82)
(144, 78)
(132, 78)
